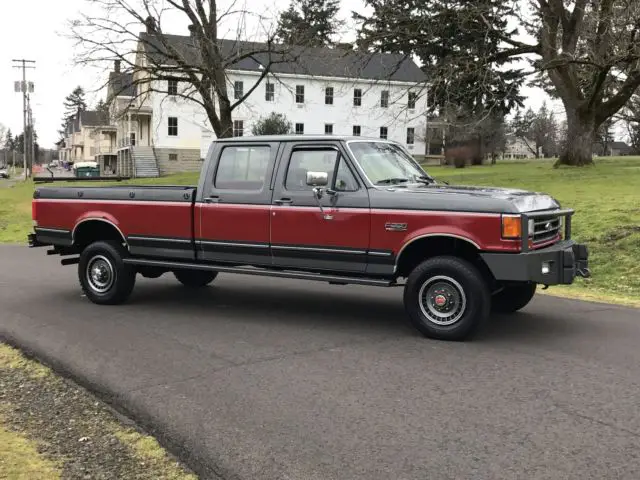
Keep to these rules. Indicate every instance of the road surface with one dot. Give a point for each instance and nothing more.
(274, 379)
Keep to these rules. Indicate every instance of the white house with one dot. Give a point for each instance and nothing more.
(518, 148)
(319, 90)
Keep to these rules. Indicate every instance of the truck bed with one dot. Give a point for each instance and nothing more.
(146, 216)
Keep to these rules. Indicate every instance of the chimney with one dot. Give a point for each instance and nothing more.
(116, 66)
(192, 31)
(151, 24)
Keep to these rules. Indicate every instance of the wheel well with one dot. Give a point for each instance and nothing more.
(94, 230)
(429, 247)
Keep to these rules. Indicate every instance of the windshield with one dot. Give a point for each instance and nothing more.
(386, 163)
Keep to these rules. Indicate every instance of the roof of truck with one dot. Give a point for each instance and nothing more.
(300, 138)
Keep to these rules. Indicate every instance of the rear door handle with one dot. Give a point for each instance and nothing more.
(212, 199)
(283, 201)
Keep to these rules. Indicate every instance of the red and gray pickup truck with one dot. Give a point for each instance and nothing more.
(342, 210)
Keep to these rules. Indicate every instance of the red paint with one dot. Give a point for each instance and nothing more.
(359, 228)
(348, 227)
(158, 219)
(232, 223)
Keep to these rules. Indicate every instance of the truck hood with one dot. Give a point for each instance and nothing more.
(506, 200)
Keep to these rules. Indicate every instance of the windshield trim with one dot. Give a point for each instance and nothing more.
(381, 140)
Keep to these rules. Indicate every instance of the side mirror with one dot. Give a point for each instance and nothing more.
(317, 179)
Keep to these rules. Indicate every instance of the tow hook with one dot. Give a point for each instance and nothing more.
(584, 272)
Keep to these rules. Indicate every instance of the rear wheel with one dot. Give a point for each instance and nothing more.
(104, 277)
(513, 297)
(195, 278)
(446, 298)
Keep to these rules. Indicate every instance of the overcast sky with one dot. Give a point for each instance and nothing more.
(35, 29)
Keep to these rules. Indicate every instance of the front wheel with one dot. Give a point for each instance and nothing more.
(513, 297)
(447, 298)
(104, 277)
(195, 278)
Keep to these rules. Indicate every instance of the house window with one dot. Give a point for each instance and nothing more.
(383, 132)
(412, 100)
(411, 135)
(328, 96)
(357, 97)
(328, 128)
(238, 89)
(132, 138)
(173, 157)
(299, 128)
(238, 128)
(269, 92)
(384, 98)
(299, 93)
(172, 87)
(242, 168)
(173, 127)
(356, 130)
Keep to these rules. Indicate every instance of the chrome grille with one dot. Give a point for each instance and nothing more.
(546, 228)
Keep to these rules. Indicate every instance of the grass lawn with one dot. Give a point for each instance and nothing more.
(606, 199)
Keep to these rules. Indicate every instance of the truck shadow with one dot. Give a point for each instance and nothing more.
(318, 305)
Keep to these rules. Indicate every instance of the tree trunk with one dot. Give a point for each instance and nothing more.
(578, 148)
(226, 121)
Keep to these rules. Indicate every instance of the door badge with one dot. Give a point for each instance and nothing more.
(395, 227)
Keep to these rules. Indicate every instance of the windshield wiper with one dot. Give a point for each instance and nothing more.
(393, 180)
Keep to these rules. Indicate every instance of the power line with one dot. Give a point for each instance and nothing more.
(27, 132)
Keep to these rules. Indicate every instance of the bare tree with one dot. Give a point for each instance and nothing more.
(110, 30)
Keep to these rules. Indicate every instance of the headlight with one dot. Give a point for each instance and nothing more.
(512, 226)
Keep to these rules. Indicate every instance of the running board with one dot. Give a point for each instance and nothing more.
(338, 279)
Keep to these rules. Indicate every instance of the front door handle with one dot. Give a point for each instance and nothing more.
(283, 201)
(212, 199)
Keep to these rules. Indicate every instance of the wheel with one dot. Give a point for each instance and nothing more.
(104, 277)
(447, 298)
(195, 278)
(513, 297)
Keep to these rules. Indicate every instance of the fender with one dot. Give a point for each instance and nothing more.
(437, 231)
(97, 216)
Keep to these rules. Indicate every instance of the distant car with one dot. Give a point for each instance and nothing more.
(4, 173)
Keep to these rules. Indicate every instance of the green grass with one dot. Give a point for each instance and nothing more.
(606, 198)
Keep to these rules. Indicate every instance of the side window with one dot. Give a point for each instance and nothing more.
(242, 168)
(345, 181)
(303, 161)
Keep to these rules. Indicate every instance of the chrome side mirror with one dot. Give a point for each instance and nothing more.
(317, 179)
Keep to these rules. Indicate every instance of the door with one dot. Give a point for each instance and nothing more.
(334, 238)
(233, 207)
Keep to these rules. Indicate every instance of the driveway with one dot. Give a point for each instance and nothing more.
(274, 379)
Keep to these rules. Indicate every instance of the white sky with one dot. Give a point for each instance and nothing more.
(35, 29)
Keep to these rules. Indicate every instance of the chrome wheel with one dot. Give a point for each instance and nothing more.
(100, 274)
(442, 300)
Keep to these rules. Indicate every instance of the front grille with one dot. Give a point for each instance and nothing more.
(546, 228)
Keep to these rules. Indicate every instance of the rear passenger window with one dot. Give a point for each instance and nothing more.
(303, 161)
(242, 168)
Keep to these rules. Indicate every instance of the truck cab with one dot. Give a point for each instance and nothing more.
(338, 209)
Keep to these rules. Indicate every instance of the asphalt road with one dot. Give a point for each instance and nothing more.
(273, 379)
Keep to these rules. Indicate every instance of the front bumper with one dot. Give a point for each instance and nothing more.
(558, 264)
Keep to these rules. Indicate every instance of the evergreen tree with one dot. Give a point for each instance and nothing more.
(102, 107)
(73, 103)
(9, 142)
(309, 22)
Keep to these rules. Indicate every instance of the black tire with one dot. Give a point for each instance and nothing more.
(104, 277)
(462, 288)
(195, 278)
(513, 298)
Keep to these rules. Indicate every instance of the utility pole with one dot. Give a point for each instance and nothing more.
(24, 88)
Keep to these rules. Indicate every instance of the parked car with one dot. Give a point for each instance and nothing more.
(342, 210)
(4, 173)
